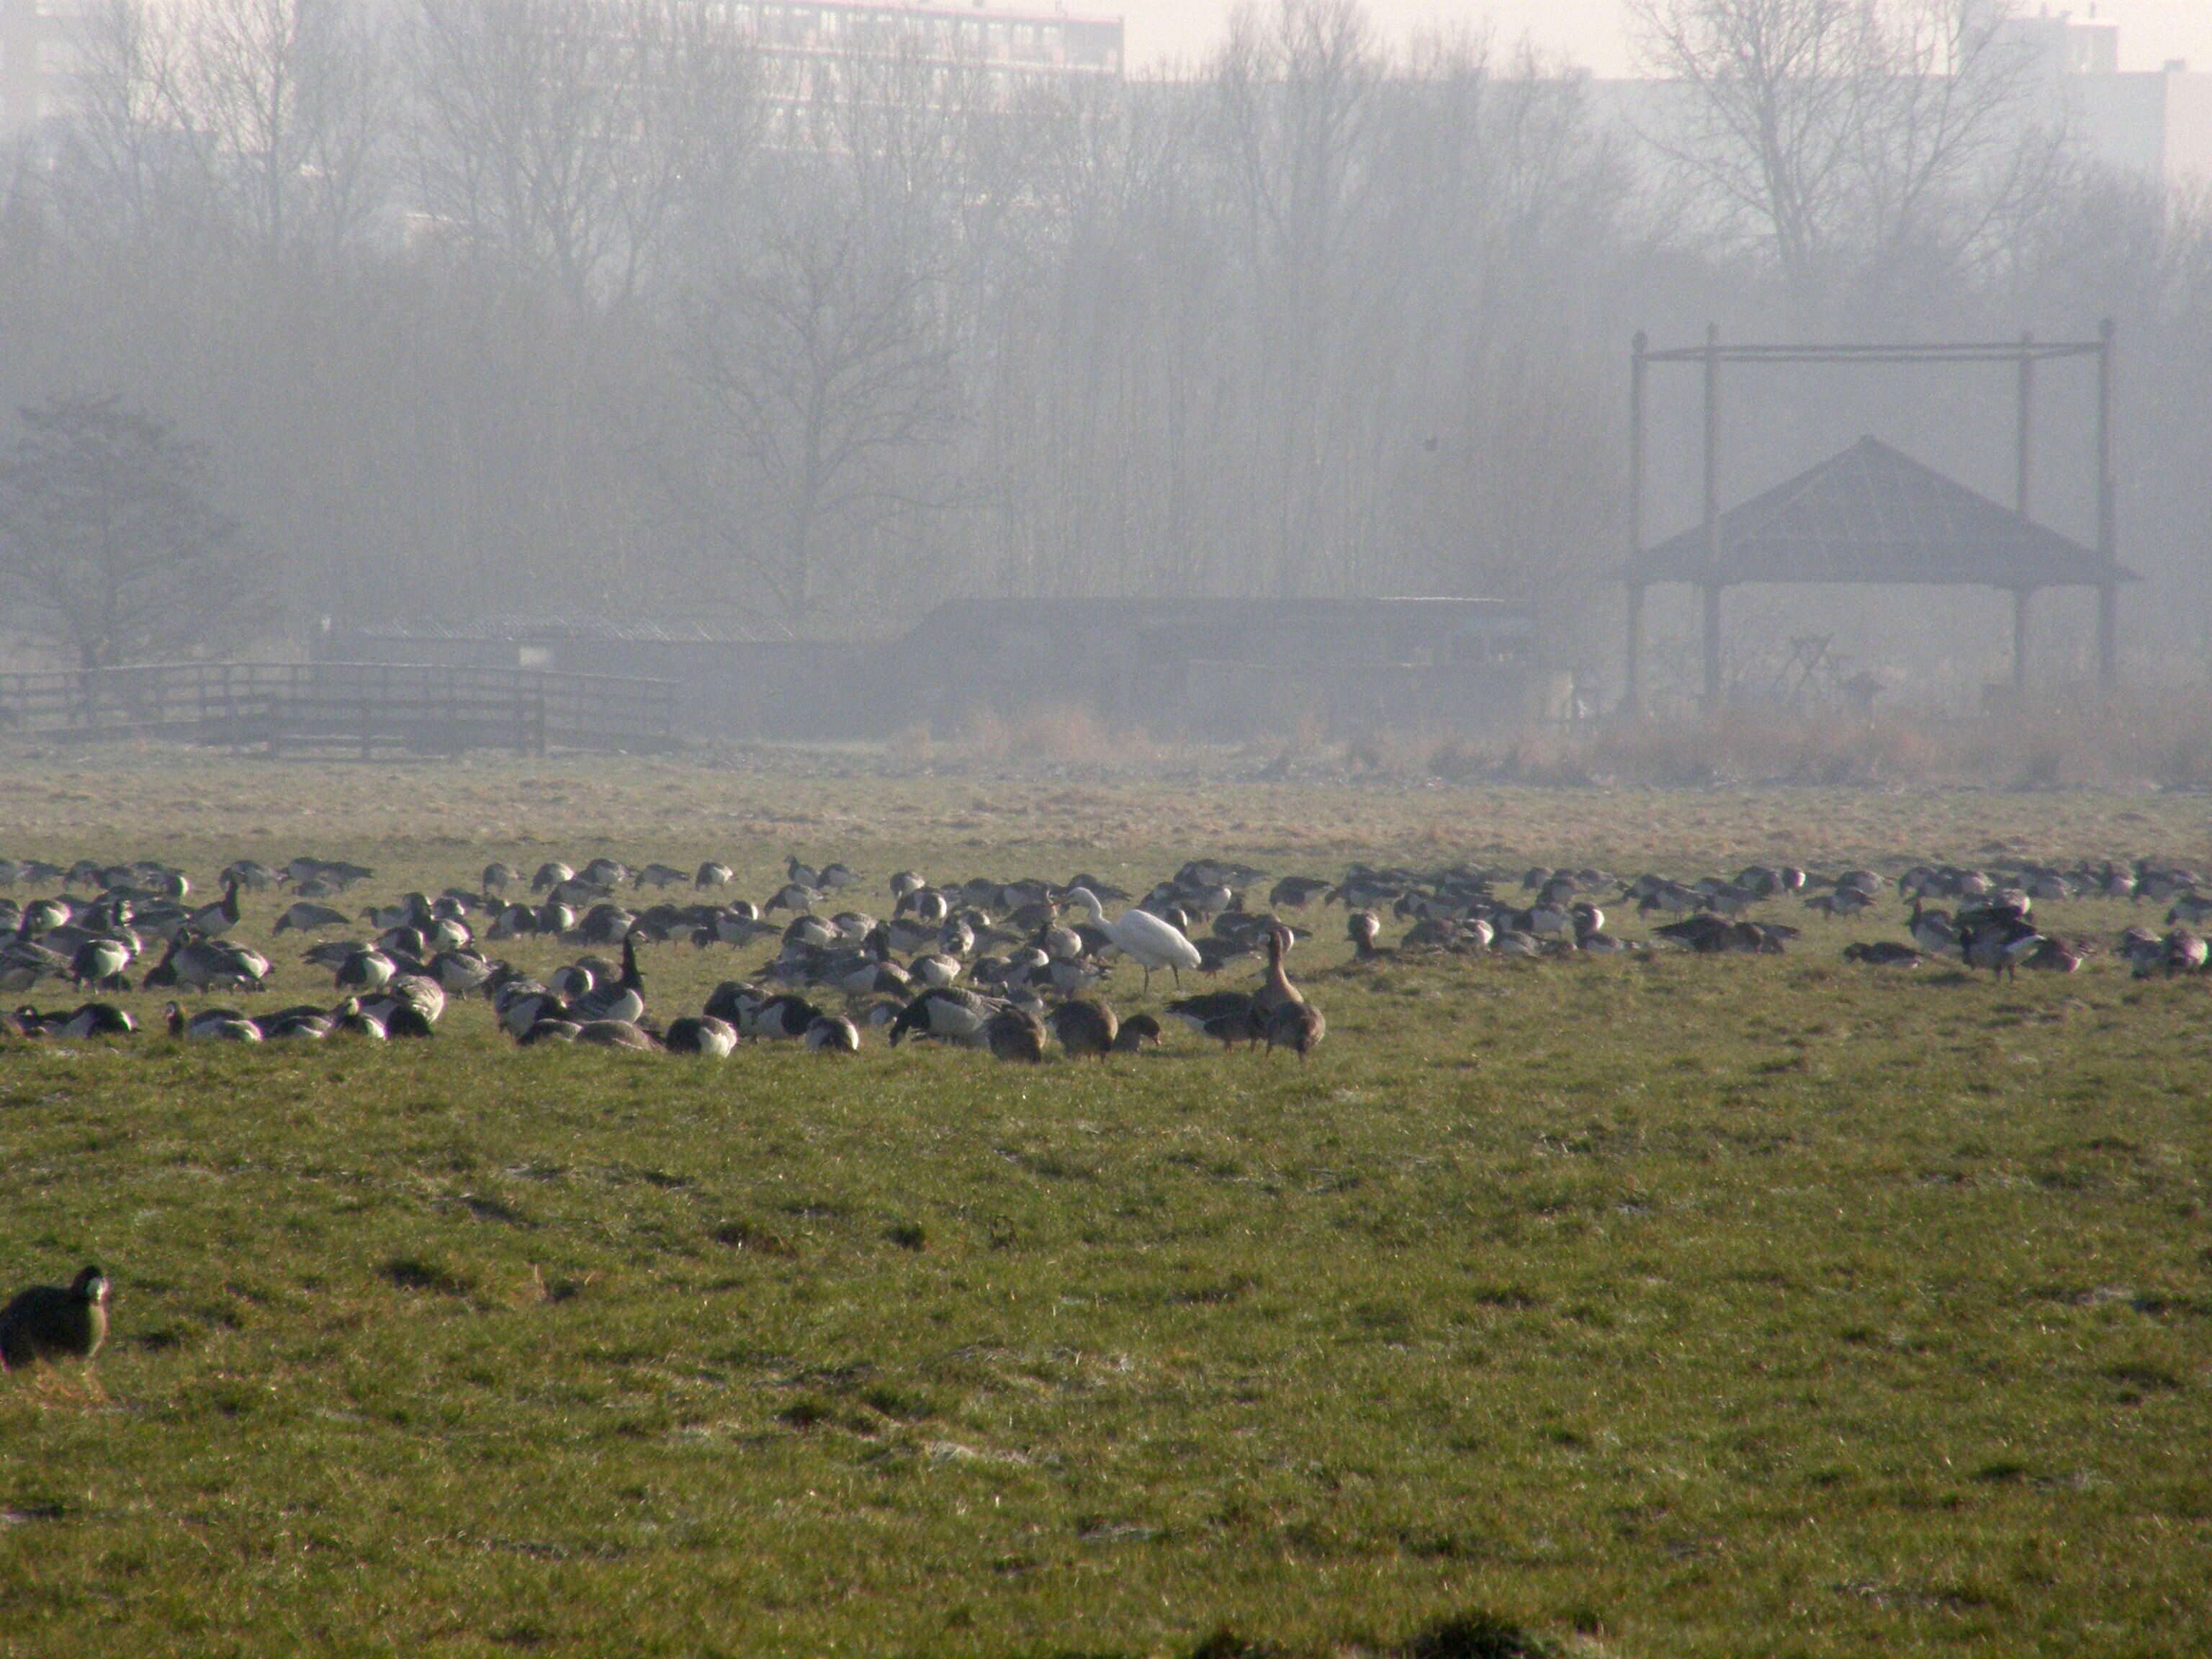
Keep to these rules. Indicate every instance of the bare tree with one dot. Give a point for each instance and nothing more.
(1293, 95)
(108, 536)
(821, 354)
(1848, 137)
(120, 170)
(569, 136)
(290, 104)
(821, 326)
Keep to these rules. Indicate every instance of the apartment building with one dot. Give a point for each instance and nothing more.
(36, 60)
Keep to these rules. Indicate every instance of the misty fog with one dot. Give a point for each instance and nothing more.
(624, 309)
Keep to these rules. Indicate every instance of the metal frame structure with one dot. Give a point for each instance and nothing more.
(2024, 353)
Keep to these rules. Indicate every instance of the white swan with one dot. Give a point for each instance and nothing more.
(1141, 937)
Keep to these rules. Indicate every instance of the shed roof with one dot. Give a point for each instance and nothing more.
(1874, 514)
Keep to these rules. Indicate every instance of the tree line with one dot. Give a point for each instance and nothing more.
(601, 308)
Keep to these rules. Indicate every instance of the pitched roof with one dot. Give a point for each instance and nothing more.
(1872, 515)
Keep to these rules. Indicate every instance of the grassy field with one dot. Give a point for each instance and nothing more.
(1655, 1306)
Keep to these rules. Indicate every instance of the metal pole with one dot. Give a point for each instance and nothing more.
(1712, 640)
(2107, 511)
(1632, 698)
(2026, 455)
(2019, 640)
(1712, 646)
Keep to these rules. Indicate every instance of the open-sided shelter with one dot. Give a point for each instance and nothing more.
(1873, 514)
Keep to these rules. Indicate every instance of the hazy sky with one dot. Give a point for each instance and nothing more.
(1591, 31)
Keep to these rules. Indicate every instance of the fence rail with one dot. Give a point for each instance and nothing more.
(426, 709)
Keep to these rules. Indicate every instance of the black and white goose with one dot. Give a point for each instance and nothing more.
(832, 1034)
(49, 1322)
(408, 1007)
(208, 965)
(946, 1014)
(215, 1025)
(622, 1000)
(90, 1019)
(787, 1018)
(700, 1034)
(364, 969)
(99, 964)
(305, 916)
(213, 920)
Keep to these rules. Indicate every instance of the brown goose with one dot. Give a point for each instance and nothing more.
(1136, 1031)
(1085, 1028)
(1015, 1034)
(1277, 993)
(1296, 1025)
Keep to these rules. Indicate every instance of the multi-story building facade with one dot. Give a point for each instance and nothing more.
(37, 60)
(1017, 45)
(1014, 48)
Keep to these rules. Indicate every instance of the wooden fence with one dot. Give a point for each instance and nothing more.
(358, 707)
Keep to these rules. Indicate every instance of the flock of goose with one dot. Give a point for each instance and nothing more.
(999, 966)
(1002, 966)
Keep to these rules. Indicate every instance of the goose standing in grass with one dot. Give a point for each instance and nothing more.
(1276, 992)
(308, 917)
(1014, 1033)
(1996, 941)
(212, 921)
(98, 964)
(1136, 1031)
(208, 965)
(48, 1323)
(793, 895)
(1085, 1028)
(946, 1014)
(1224, 1016)
(1297, 891)
(1144, 938)
(2184, 952)
(365, 968)
(1298, 1026)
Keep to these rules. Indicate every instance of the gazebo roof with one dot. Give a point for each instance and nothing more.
(1873, 514)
